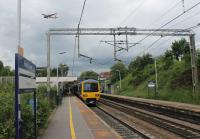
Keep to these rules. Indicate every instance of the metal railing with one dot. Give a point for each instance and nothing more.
(7, 79)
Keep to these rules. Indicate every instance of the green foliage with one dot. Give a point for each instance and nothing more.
(140, 62)
(5, 70)
(184, 79)
(180, 48)
(28, 119)
(1, 66)
(174, 76)
(6, 115)
(62, 70)
(115, 69)
(136, 68)
(41, 72)
(198, 58)
(89, 75)
(44, 108)
(168, 59)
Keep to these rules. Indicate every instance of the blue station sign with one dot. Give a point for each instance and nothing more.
(26, 74)
(25, 82)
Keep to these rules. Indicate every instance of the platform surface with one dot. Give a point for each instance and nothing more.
(74, 120)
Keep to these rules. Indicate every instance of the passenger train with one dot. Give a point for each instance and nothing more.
(88, 91)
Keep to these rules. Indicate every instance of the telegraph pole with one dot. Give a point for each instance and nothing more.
(156, 72)
(120, 79)
(193, 65)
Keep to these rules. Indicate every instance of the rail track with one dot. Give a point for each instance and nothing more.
(125, 130)
(177, 125)
(181, 114)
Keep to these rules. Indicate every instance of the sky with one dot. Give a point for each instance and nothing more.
(97, 13)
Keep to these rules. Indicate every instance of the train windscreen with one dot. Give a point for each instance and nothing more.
(91, 87)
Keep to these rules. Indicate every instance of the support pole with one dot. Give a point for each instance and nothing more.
(74, 57)
(48, 64)
(115, 50)
(105, 86)
(126, 42)
(120, 78)
(183, 5)
(193, 66)
(19, 25)
(156, 87)
(78, 42)
(17, 100)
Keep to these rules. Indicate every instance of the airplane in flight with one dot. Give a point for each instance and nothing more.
(54, 15)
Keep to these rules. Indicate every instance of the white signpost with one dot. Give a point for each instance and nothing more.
(151, 84)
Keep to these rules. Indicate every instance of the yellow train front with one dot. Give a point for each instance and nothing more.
(90, 91)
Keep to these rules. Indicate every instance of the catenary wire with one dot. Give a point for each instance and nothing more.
(189, 9)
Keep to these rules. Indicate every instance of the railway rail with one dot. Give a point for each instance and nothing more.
(185, 114)
(175, 123)
(125, 130)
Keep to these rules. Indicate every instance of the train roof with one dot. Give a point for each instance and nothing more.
(90, 81)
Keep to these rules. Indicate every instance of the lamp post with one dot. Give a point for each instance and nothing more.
(57, 69)
(120, 79)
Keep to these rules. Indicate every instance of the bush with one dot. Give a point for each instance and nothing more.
(6, 112)
(44, 108)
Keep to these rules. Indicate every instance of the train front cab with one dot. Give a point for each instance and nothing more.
(90, 91)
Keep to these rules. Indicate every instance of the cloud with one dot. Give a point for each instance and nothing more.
(102, 13)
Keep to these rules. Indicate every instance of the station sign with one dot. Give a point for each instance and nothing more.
(151, 84)
(26, 74)
(25, 82)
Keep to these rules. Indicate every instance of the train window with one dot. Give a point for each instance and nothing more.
(91, 87)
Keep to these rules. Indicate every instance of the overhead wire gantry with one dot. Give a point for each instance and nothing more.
(125, 31)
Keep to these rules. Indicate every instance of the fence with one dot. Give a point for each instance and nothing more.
(7, 79)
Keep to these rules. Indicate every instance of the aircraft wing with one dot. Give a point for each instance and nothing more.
(52, 14)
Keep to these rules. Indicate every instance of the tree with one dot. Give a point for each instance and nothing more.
(168, 59)
(63, 68)
(180, 48)
(140, 62)
(1, 67)
(169, 54)
(41, 72)
(7, 71)
(119, 66)
(89, 75)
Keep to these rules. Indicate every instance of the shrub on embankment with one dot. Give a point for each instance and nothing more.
(44, 108)
(174, 75)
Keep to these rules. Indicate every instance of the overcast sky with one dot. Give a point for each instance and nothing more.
(98, 13)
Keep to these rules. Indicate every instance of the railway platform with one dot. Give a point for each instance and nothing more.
(74, 120)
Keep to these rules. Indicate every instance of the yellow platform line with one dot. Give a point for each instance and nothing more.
(73, 135)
